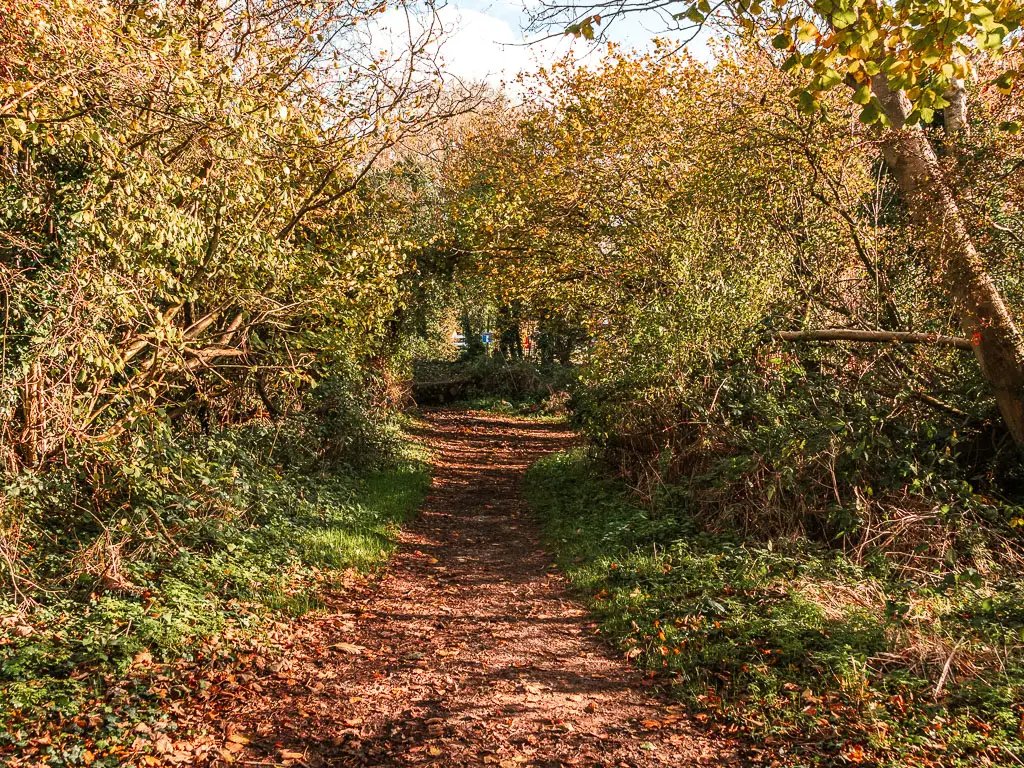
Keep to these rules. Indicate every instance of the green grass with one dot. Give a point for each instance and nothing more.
(363, 533)
(262, 547)
(816, 659)
(528, 408)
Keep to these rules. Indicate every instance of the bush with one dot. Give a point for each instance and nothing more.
(170, 544)
(489, 378)
(820, 659)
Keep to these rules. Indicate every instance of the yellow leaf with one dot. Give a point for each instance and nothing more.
(806, 31)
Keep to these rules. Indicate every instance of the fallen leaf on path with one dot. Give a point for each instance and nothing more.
(349, 648)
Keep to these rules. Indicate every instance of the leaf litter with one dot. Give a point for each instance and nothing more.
(466, 651)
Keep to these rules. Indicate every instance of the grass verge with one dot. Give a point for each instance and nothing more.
(818, 660)
(119, 616)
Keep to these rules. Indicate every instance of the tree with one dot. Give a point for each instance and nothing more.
(183, 203)
(902, 62)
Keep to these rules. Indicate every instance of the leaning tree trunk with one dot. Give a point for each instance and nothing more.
(983, 314)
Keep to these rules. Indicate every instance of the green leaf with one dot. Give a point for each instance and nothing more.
(782, 41)
(793, 61)
(870, 114)
(844, 19)
(862, 95)
(808, 104)
(829, 79)
(993, 39)
(694, 15)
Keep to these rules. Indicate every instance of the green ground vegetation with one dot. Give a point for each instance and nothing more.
(215, 540)
(818, 657)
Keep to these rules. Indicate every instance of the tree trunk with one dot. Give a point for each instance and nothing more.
(954, 116)
(982, 312)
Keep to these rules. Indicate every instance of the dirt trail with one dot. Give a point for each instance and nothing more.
(467, 652)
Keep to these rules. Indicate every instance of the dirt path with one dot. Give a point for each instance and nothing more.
(467, 652)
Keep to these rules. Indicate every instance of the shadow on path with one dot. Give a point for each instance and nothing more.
(467, 651)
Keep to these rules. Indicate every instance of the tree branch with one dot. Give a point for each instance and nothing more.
(882, 337)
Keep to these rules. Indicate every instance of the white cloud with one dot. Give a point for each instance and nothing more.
(485, 42)
(484, 47)
(476, 46)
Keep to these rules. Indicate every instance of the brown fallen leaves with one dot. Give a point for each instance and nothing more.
(349, 648)
(466, 652)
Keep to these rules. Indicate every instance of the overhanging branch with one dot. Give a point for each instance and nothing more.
(876, 337)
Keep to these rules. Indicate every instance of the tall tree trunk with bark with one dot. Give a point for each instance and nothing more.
(982, 312)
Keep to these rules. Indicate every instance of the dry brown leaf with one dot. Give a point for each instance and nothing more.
(349, 648)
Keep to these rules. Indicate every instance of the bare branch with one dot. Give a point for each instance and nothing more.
(877, 337)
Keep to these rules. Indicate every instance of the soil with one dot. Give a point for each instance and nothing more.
(467, 650)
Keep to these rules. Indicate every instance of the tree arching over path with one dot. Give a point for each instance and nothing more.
(902, 62)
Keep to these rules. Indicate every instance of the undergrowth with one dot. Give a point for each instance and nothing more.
(547, 409)
(185, 551)
(817, 659)
(485, 383)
